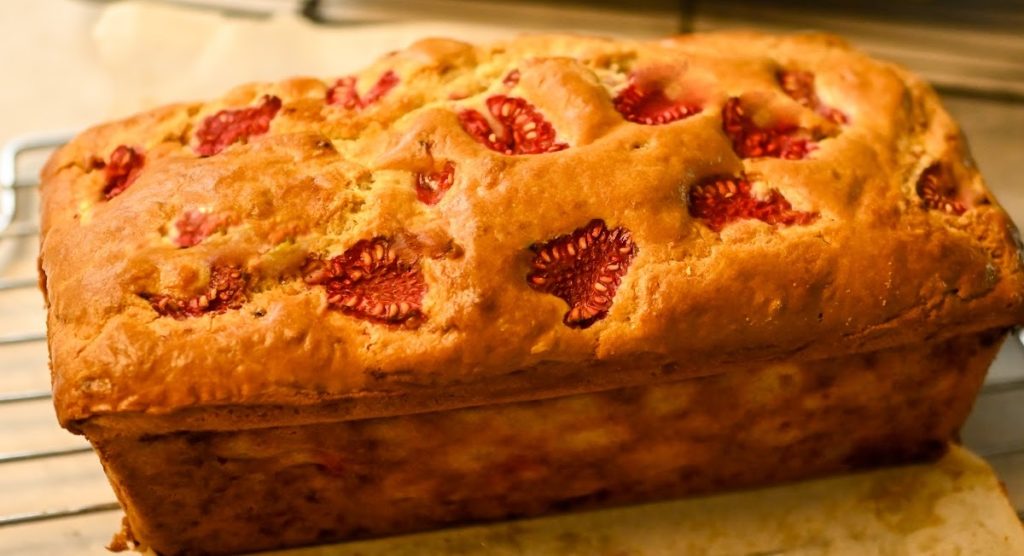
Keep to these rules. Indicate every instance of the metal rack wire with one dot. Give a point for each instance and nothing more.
(15, 226)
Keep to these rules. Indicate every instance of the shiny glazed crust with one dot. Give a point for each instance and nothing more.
(296, 485)
(872, 267)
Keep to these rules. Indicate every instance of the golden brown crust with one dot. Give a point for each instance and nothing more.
(876, 268)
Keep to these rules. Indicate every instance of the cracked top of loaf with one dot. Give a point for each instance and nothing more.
(461, 225)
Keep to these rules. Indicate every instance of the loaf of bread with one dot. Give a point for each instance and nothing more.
(475, 282)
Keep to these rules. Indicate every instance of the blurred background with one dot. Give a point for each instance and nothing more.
(66, 64)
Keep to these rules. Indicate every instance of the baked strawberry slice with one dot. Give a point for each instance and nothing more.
(344, 92)
(431, 186)
(121, 170)
(799, 85)
(193, 226)
(228, 127)
(646, 103)
(720, 201)
(938, 191)
(227, 289)
(584, 269)
(520, 129)
(512, 79)
(752, 141)
(370, 282)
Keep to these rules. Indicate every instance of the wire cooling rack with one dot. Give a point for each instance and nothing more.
(18, 241)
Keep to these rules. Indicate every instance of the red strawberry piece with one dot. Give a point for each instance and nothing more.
(121, 170)
(225, 290)
(646, 103)
(799, 85)
(520, 130)
(938, 191)
(369, 281)
(751, 141)
(722, 200)
(512, 79)
(475, 124)
(384, 84)
(227, 127)
(431, 186)
(584, 269)
(194, 226)
(344, 92)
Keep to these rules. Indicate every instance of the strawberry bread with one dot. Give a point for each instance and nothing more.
(477, 282)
